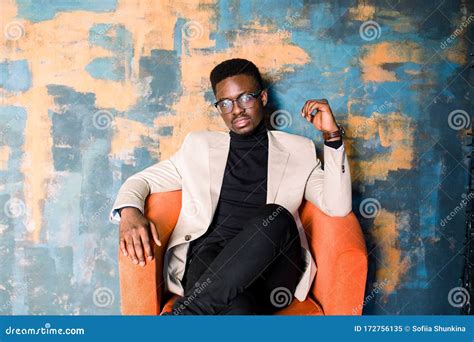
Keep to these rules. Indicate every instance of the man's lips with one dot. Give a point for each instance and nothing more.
(240, 122)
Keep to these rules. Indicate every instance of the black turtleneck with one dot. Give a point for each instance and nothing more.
(244, 186)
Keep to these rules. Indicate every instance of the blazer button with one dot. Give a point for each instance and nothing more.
(187, 237)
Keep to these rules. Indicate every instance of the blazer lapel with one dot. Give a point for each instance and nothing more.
(218, 153)
(277, 160)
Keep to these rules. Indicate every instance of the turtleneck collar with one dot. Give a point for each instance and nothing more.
(259, 132)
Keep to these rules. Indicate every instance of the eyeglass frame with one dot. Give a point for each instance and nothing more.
(255, 95)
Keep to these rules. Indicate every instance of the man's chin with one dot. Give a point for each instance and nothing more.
(244, 130)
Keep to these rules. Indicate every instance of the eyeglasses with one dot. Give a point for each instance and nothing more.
(245, 100)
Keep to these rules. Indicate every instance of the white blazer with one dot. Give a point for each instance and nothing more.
(197, 168)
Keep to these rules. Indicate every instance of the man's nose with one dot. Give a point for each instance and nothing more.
(236, 109)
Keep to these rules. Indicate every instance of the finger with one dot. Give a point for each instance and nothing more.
(145, 236)
(123, 247)
(323, 101)
(303, 110)
(131, 249)
(312, 107)
(317, 106)
(154, 233)
(137, 244)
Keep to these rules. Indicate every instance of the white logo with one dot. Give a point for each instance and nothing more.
(192, 30)
(280, 119)
(459, 119)
(192, 208)
(14, 207)
(14, 30)
(281, 297)
(369, 208)
(102, 119)
(370, 30)
(103, 297)
(458, 297)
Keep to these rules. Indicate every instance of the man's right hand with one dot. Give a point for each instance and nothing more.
(136, 232)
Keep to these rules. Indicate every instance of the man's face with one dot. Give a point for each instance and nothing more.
(241, 120)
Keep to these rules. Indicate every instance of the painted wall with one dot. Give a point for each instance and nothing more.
(94, 91)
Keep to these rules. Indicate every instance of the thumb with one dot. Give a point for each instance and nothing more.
(154, 233)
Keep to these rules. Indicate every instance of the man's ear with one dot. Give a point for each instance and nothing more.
(264, 96)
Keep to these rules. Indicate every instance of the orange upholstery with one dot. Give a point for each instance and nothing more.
(337, 244)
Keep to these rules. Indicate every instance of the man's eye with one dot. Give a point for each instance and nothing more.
(224, 104)
(246, 98)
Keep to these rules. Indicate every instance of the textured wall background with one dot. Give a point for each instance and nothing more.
(94, 91)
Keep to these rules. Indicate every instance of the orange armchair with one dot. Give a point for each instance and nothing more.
(337, 245)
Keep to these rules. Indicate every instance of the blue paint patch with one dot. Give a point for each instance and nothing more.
(107, 68)
(165, 131)
(15, 76)
(12, 133)
(143, 159)
(161, 71)
(12, 204)
(75, 125)
(36, 11)
(112, 37)
(117, 39)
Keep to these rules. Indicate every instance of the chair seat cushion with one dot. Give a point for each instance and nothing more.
(307, 308)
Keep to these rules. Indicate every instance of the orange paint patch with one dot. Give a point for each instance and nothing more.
(362, 12)
(37, 166)
(4, 156)
(394, 131)
(391, 265)
(457, 52)
(376, 56)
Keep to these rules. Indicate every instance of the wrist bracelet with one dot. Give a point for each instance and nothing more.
(329, 135)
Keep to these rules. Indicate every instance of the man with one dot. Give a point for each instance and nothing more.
(238, 246)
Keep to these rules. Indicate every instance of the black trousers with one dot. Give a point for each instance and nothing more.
(256, 272)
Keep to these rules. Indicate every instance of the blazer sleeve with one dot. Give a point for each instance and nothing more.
(160, 177)
(330, 189)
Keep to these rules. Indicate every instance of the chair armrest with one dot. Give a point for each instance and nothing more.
(141, 287)
(338, 245)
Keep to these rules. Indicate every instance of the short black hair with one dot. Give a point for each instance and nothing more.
(233, 67)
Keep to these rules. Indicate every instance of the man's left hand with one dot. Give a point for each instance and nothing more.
(323, 119)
